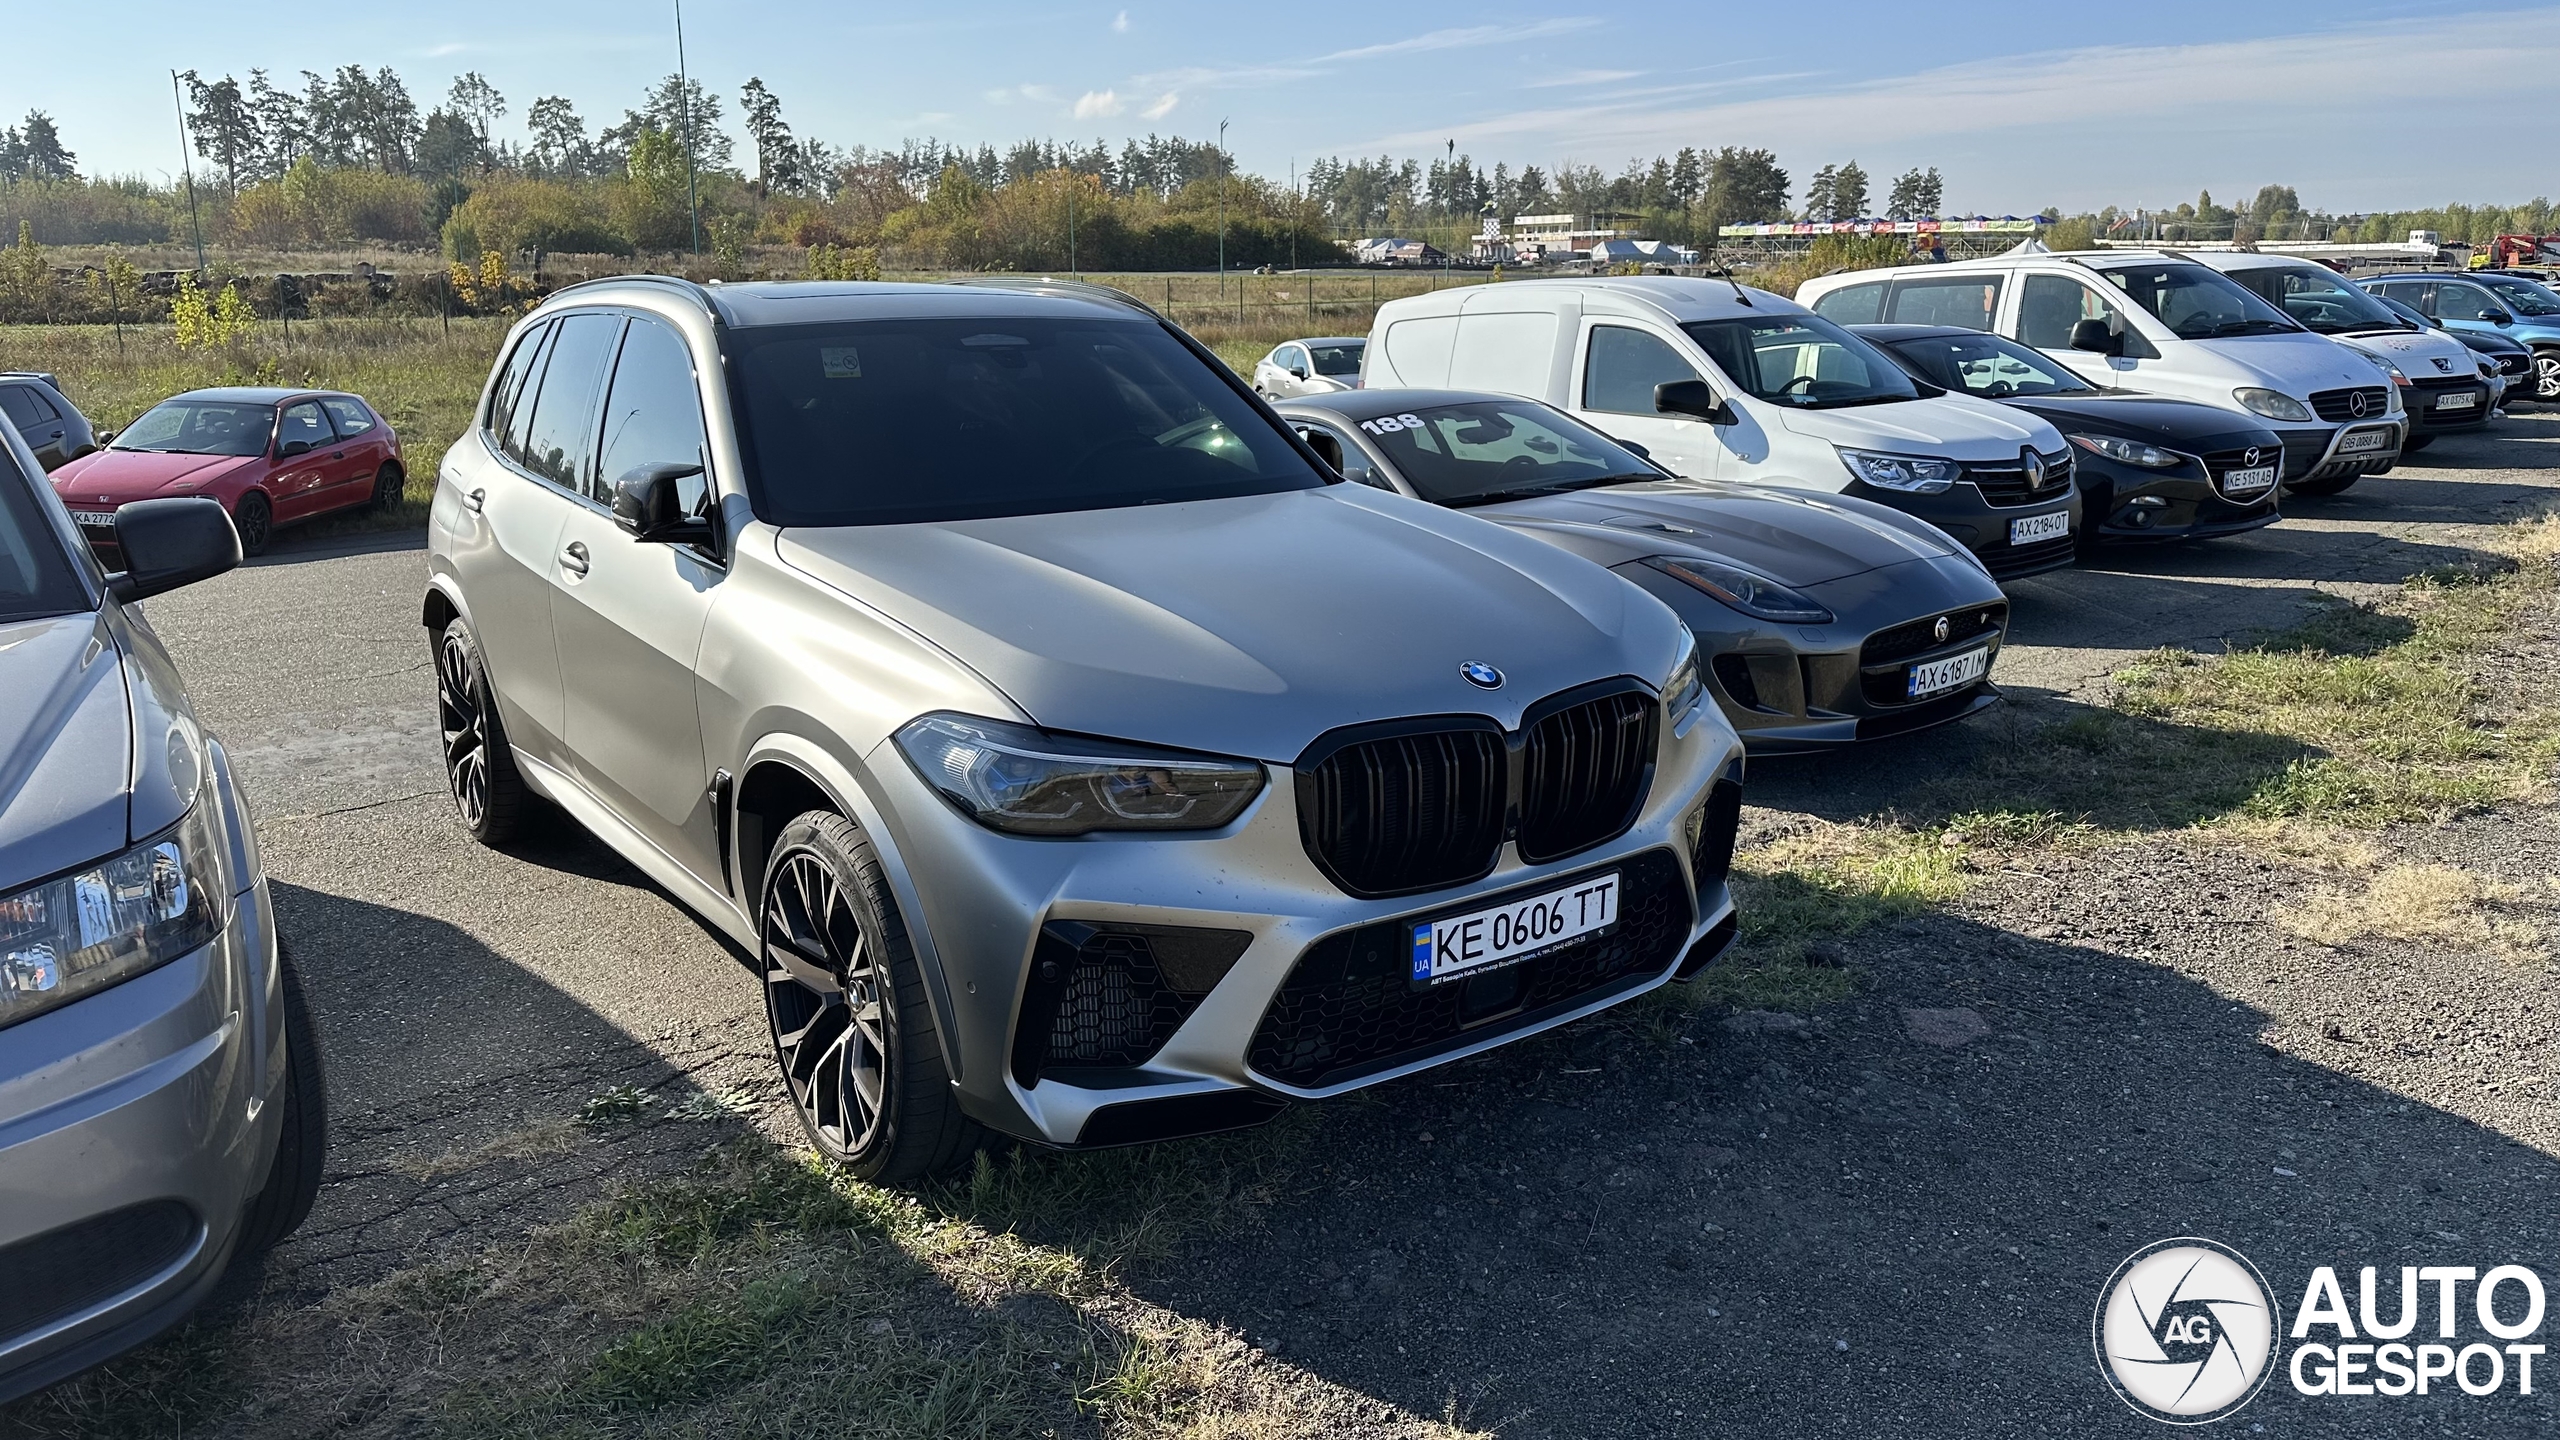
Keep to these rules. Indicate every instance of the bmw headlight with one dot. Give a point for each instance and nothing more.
(1683, 689)
(2274, 404)
(77, 934)
(1029, 782)
(1916, 474)
(1754, 595)
(2130, 452)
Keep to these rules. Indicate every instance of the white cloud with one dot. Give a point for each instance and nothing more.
(1120, 23)
(450, 47)
(1163, 106)
(1582, 77)
(1094, 104)
(1467, 37)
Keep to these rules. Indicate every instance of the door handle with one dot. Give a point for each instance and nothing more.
(337, 454)
(574, 558)
(475, 500)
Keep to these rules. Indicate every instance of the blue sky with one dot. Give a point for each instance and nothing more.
(2357, 105)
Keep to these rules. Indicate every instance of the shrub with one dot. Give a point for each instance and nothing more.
(516, 213)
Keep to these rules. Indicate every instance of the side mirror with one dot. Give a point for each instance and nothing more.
(2094, 337)
(1694, 399)
(291, 448)
(647, 506)
(105, 437)
(2498, 317)
(169, 543)
(1633, 448)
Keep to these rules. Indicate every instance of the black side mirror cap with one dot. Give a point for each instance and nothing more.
(2499, 317)
(647, 507)
(1694, 399)
(2094, 337)
(291, 448)
(169, 543)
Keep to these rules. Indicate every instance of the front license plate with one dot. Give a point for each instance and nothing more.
(2241, 482)
(2458, 400)
(2028, 529)
(1463, 944)
(2364, 442)
(1953, 673)
(102, 519)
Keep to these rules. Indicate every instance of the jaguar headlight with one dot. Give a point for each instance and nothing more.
(1915, 474)
(2273, 404)
(2130, 452)
(1754, 595)
(1683, 688)
(1029, 782)
(77, 934)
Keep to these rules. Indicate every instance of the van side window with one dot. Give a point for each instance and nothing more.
(1852, 304)
(560, 439)
(1969, 301)
(1623, 366)
(2049, 305)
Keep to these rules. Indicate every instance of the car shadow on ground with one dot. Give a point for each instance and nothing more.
(1896, 1218)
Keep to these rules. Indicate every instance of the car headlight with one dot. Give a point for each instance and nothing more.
(1683, 689)
(78, 934)
(1754, 595)
(1029, 782)
(1916, 474)
(2130, 452)
(2274, 404)
(2398, 376)
(2489, 369)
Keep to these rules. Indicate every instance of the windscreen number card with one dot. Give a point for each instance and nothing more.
(1450, 948)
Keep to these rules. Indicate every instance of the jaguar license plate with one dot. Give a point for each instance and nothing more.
(2028, 529)
(2243, 482)
(2458, 400)
(99, 519)
(2364, 442)
(1953, 673)
(1460, 945)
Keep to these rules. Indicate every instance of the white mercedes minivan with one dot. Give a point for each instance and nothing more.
(2160, 323)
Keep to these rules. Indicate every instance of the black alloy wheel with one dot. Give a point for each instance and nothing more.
(478, 766)
(255, 519)
(844, 998)
(387, 485)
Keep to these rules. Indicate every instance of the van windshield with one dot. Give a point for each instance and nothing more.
(2318, 299)
(1803, 361)
(887, 422)
(2196, 302)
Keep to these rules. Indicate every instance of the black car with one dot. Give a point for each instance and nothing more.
(2150, 468)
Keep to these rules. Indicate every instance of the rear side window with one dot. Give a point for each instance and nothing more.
(1970, 301)
(560, 439)
(1852, 304)
(350, 416)
(1624, 365)
(25, 407)
(653, 414)
(507, 410)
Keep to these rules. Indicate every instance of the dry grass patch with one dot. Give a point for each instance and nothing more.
(2441, 903)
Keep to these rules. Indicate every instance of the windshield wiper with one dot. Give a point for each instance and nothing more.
(1560, 487)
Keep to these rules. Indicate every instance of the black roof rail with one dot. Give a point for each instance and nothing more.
(692, 290)
(1046, 285)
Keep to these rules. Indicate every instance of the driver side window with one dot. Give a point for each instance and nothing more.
(1348, 460)
(1621, 367)
(2049, 305)
(2461, 302)
(304, 423)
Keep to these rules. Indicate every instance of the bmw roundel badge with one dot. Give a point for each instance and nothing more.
(1481, 675)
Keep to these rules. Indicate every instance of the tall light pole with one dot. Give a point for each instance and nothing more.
(1222, 209)
(187, 168)
(684, 96)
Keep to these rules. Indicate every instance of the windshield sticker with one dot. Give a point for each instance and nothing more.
(841, 362)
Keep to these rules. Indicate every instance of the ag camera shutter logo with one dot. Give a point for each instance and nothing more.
(2185, 1331)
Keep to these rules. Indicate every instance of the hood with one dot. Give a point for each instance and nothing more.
(2488, 342)
(66, 746)
(1249, 626)
(118, 476)
(2295, 362)
(1794, 539)
(2153, 419)
(1954, 426)
(2416, 352)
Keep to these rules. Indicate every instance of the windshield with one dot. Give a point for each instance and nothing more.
(201, 427)
(1985, 365)
(2197, 303)
(1801, 360)
(2319, 299)
(890, 422)
(1341, 359)
(2522, 296)
(36, 578)
(1499, 450)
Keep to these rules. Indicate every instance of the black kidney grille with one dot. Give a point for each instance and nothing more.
(1409, 812)
(63, 1272)
(1585, 770)
(1349, 1008)
(2339, 406)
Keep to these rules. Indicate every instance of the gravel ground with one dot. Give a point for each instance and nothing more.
(1896, 1215)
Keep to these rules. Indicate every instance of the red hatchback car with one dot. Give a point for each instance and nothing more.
(271, 456)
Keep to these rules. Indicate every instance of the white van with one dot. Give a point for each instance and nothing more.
(2438, 377)
(1715, 381)
(2160, 323)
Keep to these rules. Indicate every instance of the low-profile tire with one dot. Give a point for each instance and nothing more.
(2546, 376)
(2332, 485)
(388, 483)
(255, 518)
(479, 768)
(845, 1001)
(302, 1150)
(2416, 443)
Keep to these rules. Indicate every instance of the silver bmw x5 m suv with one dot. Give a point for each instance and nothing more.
(1078, 756)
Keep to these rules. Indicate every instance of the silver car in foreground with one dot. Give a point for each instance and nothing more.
(1079, 758)
(1822, 620)
(160, 1099)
